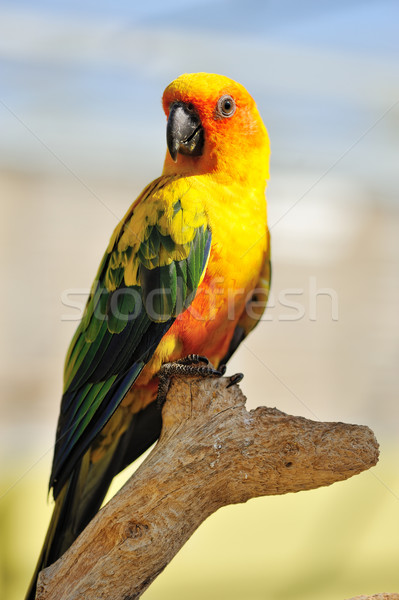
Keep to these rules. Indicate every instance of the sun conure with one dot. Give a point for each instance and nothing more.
(183, 274)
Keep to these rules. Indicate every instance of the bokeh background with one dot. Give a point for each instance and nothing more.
(82, 132)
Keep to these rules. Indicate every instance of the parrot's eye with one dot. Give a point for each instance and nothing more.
(226, 106)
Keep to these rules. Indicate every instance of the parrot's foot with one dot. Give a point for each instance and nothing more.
(189, 365)
(190, 359)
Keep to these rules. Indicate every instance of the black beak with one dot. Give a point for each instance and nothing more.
(184, 131)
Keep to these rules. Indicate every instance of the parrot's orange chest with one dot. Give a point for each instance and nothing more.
(208, 325)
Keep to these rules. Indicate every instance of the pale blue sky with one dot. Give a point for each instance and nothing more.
(86, 79)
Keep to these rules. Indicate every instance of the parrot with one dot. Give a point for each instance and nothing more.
(186, 274)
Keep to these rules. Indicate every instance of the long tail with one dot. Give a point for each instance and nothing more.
(82, 495)
(72, 512)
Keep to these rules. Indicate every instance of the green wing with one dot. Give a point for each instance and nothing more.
(149, 274)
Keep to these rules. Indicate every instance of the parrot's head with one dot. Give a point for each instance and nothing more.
(214, 127)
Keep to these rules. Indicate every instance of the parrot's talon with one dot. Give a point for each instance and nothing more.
(163, 388)
(189, 365)
(191, 359)
(234, 379)
(222, 369)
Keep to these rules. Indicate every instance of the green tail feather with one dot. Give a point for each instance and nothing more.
(83, 494)
(76, 504)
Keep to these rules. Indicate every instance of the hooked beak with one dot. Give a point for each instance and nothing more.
(184, 131)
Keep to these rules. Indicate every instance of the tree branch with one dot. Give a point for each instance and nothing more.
(211, 453)
(382, 596)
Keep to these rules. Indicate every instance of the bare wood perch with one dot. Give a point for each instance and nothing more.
(211, 453)
(382, 596)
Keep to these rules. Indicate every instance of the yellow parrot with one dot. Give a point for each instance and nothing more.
(186, 272)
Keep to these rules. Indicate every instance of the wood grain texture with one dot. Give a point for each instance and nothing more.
(212, 452)
(383, 596)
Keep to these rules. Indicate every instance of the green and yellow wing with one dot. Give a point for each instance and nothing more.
(149, 274)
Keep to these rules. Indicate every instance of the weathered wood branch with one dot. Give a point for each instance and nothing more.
(211, 453)
(382, 596)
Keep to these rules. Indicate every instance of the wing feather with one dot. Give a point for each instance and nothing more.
(149, 274)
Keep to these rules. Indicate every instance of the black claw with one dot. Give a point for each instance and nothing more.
(193, 359)
(210, 371)
(202, 359)
(222, 369)
(163, 388)
(235, 379)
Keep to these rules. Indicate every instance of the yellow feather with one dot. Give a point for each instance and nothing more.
(165, 257)
(181, 252)
(130, 273)
(180, 231)
(109, 281)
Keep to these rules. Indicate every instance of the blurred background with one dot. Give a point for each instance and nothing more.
(82, 132)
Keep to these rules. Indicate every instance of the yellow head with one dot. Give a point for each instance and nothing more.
(214, 128)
